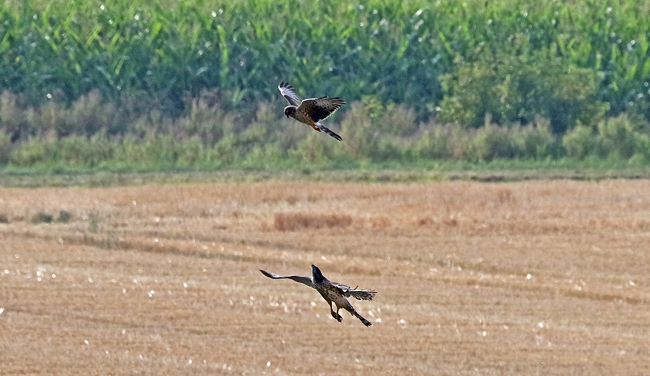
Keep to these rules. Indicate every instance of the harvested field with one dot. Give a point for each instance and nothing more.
(527, 278)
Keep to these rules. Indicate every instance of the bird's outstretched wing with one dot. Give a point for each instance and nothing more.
(287, 91)
(357, 294)
(320, 108)
(304, 280)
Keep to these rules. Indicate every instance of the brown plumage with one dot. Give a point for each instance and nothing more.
(331, 292)
(310, 111)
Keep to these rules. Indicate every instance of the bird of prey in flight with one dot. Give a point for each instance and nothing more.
(331, 292)
(310, 111)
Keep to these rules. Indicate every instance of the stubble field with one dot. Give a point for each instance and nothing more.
(527, 278)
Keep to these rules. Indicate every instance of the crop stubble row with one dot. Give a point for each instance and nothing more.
(534, 277)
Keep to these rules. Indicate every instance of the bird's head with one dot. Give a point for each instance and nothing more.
(289, 110)
(316, 274)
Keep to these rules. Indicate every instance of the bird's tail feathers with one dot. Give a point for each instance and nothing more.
(328, 131)
(363, 320)
(357, 315)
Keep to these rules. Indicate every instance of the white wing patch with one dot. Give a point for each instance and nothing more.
(287, 91)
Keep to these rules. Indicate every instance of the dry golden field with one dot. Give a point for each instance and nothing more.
(528, 278)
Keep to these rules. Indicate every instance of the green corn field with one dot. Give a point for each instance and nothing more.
(144, 63)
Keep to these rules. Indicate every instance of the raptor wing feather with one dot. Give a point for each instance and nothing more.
(304, 280)
(320, 108)
(355, 293)
(287, 91)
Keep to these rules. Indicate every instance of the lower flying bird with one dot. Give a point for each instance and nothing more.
(331, 292)
(310, 111)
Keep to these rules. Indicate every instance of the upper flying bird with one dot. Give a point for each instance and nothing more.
(310, 111)
(331, 292)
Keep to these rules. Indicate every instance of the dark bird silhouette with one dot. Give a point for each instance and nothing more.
(331, 292)
(310, 111)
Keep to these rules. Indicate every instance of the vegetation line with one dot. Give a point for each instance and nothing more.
(192, 85)
(481, 173)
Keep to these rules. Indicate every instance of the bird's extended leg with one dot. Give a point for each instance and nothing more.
(335, 314)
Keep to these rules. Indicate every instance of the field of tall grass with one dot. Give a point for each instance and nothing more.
(192, 84)
(209, 138)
